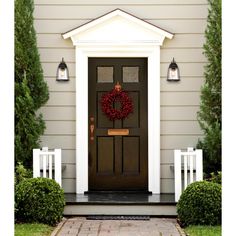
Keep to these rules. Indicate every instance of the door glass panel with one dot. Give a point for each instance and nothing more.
(105, 74)
(131, 74)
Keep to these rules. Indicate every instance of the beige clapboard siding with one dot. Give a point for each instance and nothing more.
(167, 156)
(167, 186)
(69, 185)
(178, 26)
(179, 41)
(63, 87)
(143, 11)
(60, 128)
(184, 113)
(69, 172)
(180, 127)
(178, 141)
(59, 141)
(68, 156)
(61, 113)
(112, 2)
(182, 55)
(186, 83)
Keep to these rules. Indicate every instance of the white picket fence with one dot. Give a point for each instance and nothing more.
(49, 162)
(190, 163)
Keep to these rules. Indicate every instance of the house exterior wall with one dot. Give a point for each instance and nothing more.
(179, 101)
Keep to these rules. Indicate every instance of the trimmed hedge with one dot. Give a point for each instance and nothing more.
(39, 200)
(200, 204)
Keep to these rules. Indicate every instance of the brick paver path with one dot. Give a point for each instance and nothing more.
(79, 226)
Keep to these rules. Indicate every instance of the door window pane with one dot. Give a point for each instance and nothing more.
(131, 74)
(105, 74)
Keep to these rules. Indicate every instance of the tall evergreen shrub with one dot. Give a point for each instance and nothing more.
(31, 91)
(209, 116)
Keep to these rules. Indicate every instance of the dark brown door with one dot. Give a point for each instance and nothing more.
(118, 162)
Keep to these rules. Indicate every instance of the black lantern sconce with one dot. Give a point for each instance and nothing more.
(173, 72)
(62, 71)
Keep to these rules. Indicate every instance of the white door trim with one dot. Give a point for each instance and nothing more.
(144, 49)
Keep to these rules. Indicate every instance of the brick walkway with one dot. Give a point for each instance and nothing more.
(79, 226)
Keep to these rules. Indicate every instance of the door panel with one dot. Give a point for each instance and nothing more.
(118, 163)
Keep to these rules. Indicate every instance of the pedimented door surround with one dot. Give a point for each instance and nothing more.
(117, 34)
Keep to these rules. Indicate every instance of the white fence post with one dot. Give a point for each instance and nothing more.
(199, 165)
(178, 179)
(188, 164)
(58, 166)
(36, 163)
(47, 163)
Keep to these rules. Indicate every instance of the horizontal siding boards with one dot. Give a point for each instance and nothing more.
(185, 84)
(112, 2)
(180, 128)
(178, 26)
(167, 185)
(143, 11)
(178, 141)
(181, 113)
(69, 185)
(68, 156)
(69, 172)
(63, 142)
(60, 128)
(57, 86)
(51, 113)
(61, 99)
(179, 101)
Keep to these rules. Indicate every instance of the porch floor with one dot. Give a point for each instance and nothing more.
(119, 199)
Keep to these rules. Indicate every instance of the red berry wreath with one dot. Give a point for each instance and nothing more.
(116, 95)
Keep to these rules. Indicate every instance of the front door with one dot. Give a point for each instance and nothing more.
(118, 160)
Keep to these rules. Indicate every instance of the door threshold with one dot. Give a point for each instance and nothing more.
(117, 192)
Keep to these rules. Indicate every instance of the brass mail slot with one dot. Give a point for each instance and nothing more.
(118, 132)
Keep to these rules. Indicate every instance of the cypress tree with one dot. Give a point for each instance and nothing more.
(31, 91)
(209, 116)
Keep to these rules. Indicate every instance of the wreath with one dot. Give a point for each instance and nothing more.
(116, 95)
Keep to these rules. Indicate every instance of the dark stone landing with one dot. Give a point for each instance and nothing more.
(119, 199)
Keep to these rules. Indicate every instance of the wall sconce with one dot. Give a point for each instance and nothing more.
(62, 72)
(173, 72)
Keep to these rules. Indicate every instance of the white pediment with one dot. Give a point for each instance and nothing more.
(117, 27)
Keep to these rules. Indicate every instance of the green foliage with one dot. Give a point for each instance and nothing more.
(22, 173)
(31, 91)
(33, 230)
(209, 116)
(203, 230)
(27, 58)
(28, 126)
(215, 177)
(39, 200)
(200, 204)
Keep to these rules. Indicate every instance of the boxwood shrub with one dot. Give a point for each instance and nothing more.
(200, 204)
(39, 200)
